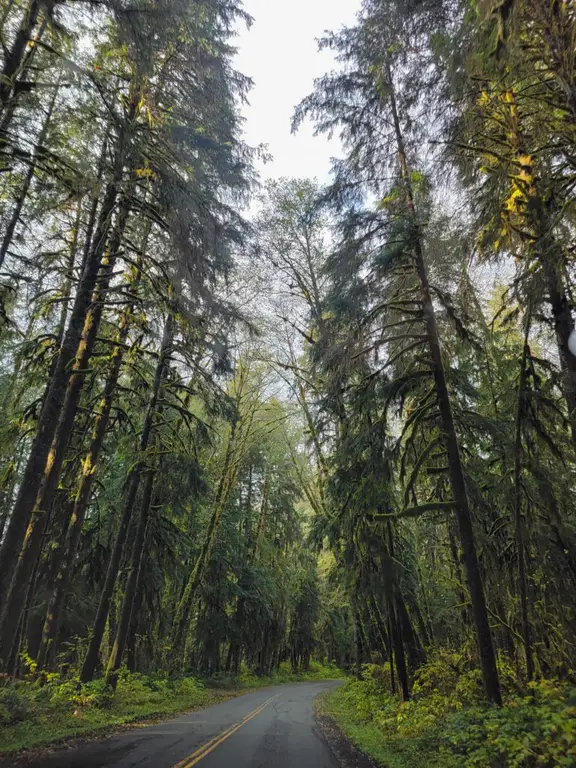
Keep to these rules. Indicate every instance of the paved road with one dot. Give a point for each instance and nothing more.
(272, 727)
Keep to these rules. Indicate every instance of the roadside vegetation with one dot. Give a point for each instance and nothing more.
(447, 723)
(34, 714)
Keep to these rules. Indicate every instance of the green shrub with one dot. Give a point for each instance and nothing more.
(285, 674)
(97, 694)
(189, 686)
(528, 732)
(14, 705)
(447, 722)
(37, 712)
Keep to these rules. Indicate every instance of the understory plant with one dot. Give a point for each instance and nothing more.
(448, 723)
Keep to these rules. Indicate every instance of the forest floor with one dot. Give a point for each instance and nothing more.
(61, 711)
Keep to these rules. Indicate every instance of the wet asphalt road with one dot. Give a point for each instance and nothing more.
(272, 727)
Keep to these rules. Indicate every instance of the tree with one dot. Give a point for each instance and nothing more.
(339, 101)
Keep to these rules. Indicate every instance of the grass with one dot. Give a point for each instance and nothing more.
(387, 750)
(33, 715)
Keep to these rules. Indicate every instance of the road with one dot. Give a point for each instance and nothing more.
(271, 727)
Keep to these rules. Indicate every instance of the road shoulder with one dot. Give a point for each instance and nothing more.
(346, 753)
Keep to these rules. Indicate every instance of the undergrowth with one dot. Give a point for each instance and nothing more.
(247, 679)
(447, 724)
(35, 714)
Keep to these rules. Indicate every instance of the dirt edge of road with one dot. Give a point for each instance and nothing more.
(345, 752)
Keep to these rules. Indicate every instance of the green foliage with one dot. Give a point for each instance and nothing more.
(34, 713)
(260, 518)
(529, 731)
(446, 723)
(284, 674)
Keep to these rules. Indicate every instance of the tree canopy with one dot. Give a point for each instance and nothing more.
(342, 429)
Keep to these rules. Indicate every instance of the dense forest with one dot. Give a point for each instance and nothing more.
(340, 429)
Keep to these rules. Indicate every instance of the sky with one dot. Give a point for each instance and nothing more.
(280, 54)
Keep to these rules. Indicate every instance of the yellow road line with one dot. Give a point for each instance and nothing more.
(211, 745)
(184, 763)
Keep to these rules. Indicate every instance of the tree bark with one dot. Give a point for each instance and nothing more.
(392, 673)
(392, 599)
(54, 399)
(99, 626)
(416, 654)
(136, 560)
(225, 484)
(518, 523)
(15, 56)
(380, 629)
(83, 493)
(7, 112)
(41, 509)
(563, 328)
(357, 646)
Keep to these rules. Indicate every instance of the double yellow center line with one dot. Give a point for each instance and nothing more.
(211, 745)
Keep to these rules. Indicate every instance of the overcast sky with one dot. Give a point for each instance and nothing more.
(280, 54)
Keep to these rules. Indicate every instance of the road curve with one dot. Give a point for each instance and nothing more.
(271, 727)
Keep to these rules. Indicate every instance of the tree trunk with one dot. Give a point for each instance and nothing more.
(518, 523)
(6, 11)
(456, 471)
(416, 654)
(357, 646)
(91, 658)
(82, 498)
(23, 194)
(136, 560)
(398, 644)
(131, 644)
(251, 549)
(380, 628)
(13, 664)
(458, 576)
(7, 113)
(458, 485)
(33, 539)
(392, 599)
(93, 211)
(563, 327)
(15, 56)
(540, 213)
(86, 482)
(54, 399)
(261, 525)
(185, 606)
(235, 448)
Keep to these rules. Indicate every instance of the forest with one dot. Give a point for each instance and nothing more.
(292, 428)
